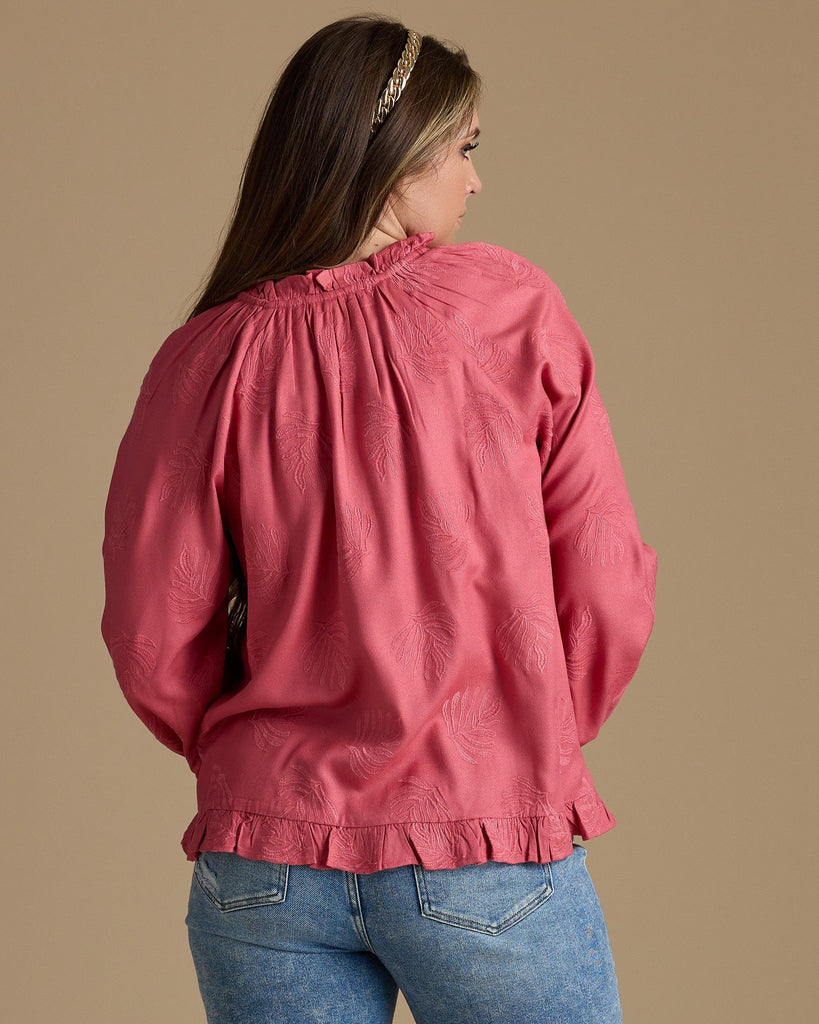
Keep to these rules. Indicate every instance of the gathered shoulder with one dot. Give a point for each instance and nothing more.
(499, 263)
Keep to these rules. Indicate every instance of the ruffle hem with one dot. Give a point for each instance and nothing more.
(368, 848)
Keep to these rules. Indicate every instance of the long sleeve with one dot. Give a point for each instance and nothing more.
(166, 556)
(604, 573)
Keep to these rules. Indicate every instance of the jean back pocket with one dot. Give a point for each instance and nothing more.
(232, 882)
(489, 897)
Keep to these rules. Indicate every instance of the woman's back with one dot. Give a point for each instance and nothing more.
(447, 593)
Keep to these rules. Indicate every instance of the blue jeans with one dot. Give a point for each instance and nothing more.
(486, 943)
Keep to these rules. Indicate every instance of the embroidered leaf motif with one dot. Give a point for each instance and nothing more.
(305, 450)
(271, 728)
(415, 277)
(471, 719)
(527, 634)
(326, 654)
(601, 535)
(146, 392)
(259, 644)
(267, 560)
(589, 807)
(563, 356)
(490, 429)
(304, 796)
(355, 526)
(193, 586)
(383, 438)
(121, 523)
(438, 843)
(524, 797)
(256, 385)
(219, 793)
(537, 520)
(134, 659)
(194, 376)
(281, 840)
(492, 359)
(418, 801)
(508, 266)
(376, 740)
(420, 339)
(527, 799)
(444, 520)
(338, 355)
(600, 414)
(185, 487)
(580, 645)
(355, 847)
(428, 640)
(568, 742)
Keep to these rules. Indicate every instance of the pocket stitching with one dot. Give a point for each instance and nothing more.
(470, 924)
(278, 895)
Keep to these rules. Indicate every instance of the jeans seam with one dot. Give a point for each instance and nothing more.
(354, 897)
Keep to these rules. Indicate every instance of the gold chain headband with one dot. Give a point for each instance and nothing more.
(399, 78)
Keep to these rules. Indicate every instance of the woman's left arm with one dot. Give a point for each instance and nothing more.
(167, 558)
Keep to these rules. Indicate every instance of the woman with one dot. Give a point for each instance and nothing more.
(372, 569)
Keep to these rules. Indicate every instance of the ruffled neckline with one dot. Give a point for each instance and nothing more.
(348, 275)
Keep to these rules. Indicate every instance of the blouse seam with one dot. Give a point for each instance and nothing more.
(383, 824)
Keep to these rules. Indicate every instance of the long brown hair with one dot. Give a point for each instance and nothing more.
(316, 179)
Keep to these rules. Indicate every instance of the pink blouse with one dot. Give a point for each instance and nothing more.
(447, 589)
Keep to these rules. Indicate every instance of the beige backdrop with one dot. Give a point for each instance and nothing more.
(655, 158)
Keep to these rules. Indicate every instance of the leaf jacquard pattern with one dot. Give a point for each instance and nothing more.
(581, 644)
(304, 796)
(267, 560)
(537, 521)
(471, 717)
(417, 800)
(185, 486)
(420, 343)
(256, 385)
(524, 797)
(427, 641)
(600, 414)
(416, 278)
(194, 375)
(338, 356)
(491, 430)
(134, 659)
(305, 450)
(219, 793)
(123, 520)
(193, 585)
(356, 525)
(492, 359)
(358, 846)
(376, 740)
(326, 655)
(563, 357)
(568, 731)
(509, 266)
(384, 438)
(526, 635)
(600, 538)
(271, 729)
(445, 518)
